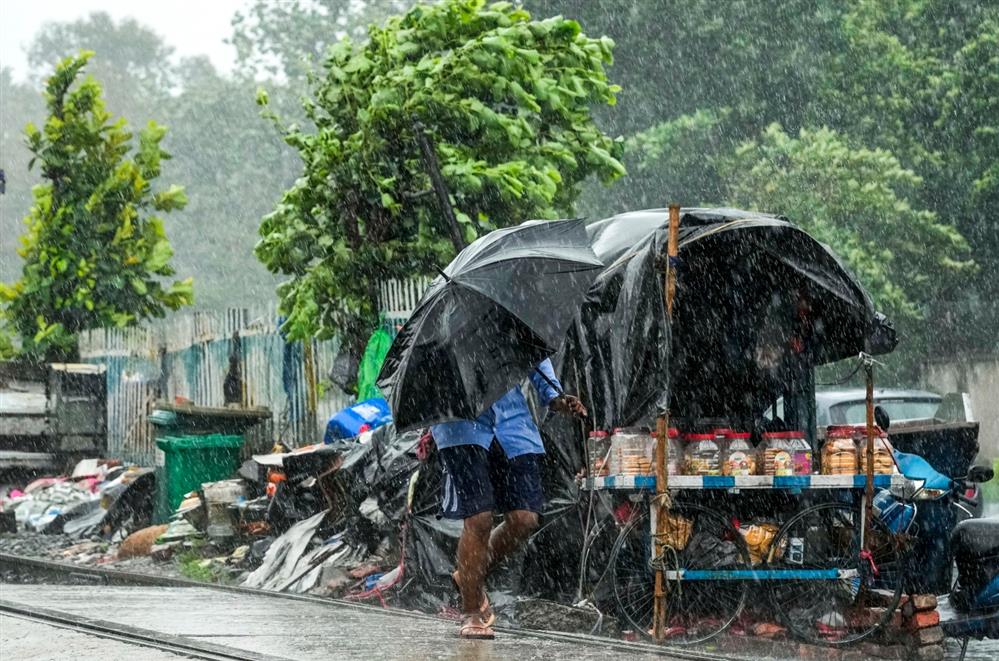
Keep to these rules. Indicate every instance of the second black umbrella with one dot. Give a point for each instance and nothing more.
(502, 306)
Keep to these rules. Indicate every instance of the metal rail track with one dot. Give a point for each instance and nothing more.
(92, 575)
(186, 647)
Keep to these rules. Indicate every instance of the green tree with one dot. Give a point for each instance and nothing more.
(229, 160)
(134, 67)
(95, 251)
(857, 200)
(506, 101)
(19, 104)
(288, 38)
(677, 161)
(233, 166)
(967, 135)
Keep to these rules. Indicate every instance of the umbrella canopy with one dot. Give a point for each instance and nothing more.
(502, 306)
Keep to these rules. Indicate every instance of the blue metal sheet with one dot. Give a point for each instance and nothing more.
(760, 574)
(792, 481)
(717, 482)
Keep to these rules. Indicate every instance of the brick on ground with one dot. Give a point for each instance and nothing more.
(928, 653)
(868, 617)
(922, 620)
(928, 636)
(919, 602)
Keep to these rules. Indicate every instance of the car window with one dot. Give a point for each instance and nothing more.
(855, 413)
(768, 414)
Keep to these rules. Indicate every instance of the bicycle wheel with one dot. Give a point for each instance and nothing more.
(696, 538)
(862, 594)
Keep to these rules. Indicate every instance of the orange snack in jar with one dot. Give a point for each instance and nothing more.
(884, 459)
(839, 452)
(778, 453)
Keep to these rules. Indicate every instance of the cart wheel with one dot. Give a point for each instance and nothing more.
(842, 610)
(696, 538)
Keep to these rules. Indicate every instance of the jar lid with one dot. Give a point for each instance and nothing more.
(783, 434)
(598, 433)
(743, 435)
(721, 431)
(841, 430)
(700, 437)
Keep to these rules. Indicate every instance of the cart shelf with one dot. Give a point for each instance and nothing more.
(789, 482)
(775, 574)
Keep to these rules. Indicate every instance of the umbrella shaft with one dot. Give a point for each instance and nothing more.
(549, 381)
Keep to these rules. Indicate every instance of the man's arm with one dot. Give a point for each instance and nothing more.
(552, 396)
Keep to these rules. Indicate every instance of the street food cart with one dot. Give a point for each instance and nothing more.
(710, 327)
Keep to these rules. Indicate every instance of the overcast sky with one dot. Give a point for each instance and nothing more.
(192, 27)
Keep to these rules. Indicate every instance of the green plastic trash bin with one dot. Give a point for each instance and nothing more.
(189, 461)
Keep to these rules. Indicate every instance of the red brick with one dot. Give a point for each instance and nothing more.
(923, 620)
(919, 602)
(928, 653)
(869, 617)
(928, 636)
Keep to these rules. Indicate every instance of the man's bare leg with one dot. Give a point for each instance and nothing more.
(510, 535)
(474, 560)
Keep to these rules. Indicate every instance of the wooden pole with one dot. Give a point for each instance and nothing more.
(869, 453)
(662, 434)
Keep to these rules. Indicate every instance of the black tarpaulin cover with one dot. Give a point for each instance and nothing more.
(757, 300)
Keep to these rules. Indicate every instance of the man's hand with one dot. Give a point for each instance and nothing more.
(568, 404)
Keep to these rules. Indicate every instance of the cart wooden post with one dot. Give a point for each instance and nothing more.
(869, 452)
(662, 433)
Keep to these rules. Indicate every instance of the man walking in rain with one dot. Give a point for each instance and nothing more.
(493, 463)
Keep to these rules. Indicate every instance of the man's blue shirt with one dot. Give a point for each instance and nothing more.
(508, 420)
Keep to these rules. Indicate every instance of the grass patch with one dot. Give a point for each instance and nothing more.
(192, 564)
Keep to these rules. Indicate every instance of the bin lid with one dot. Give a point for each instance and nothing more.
(162, 418)
(175, 443)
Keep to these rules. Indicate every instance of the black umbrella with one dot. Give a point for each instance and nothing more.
(502, 306)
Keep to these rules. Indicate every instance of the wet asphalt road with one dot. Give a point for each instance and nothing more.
(275, 627)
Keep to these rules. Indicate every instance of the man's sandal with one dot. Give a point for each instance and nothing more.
(486, 611)
(474, 628)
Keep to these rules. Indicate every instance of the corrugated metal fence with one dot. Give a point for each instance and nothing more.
(187, 356)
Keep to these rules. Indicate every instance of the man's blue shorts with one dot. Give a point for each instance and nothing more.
(479, 480)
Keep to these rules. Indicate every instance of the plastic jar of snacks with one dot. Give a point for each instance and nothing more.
(884, 459)
(674, 452)
(739, 455)
(598, 447)
(801, 453)
(778, 453)
(631, 453)
(702, 454)
(839, 452)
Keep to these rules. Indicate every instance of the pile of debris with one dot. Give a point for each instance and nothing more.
(99, 497)
(355, 518)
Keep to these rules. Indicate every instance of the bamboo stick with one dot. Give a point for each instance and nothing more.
(662, 432)
(869, 472)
